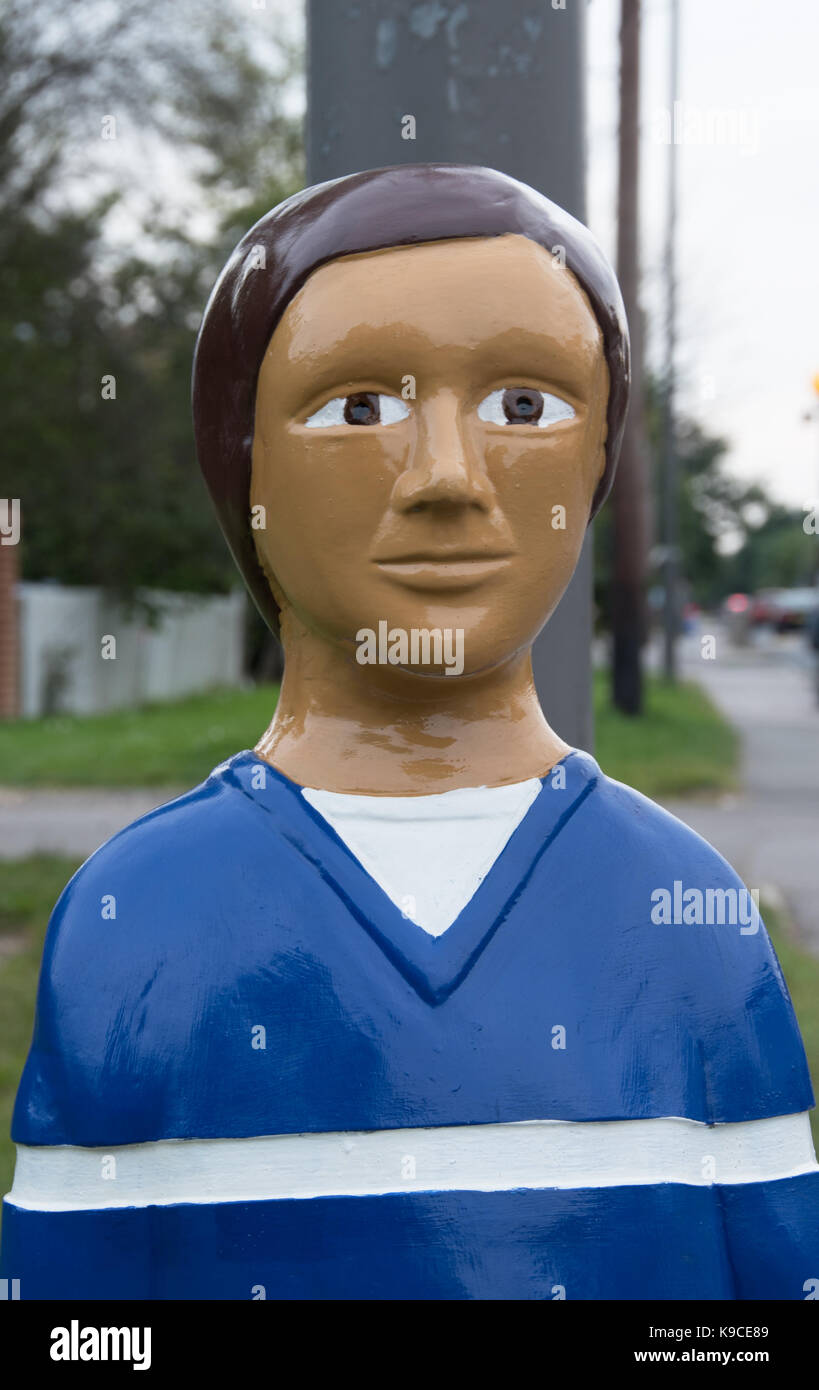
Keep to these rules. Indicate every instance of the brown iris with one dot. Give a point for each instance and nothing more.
(362, 409)
(522, 405)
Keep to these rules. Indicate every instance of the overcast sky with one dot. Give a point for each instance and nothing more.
(748, 226)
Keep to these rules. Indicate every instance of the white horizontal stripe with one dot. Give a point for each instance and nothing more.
(482, 1158)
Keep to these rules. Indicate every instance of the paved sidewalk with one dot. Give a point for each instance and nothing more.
(70, 822)
(770, 831)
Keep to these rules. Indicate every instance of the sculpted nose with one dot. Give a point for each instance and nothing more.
(443, 469)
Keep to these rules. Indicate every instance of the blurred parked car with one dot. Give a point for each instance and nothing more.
(763, 606)
(793, 607)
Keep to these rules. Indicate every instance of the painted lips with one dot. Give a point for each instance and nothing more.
(444, 570)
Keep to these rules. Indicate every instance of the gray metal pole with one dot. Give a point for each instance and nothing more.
(499, 84)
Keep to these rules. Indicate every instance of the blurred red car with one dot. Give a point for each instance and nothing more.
(763, 606)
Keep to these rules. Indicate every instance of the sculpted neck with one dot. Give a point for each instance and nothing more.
(375, 730)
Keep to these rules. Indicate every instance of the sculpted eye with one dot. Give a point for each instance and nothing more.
(523, 405)
(364, 408)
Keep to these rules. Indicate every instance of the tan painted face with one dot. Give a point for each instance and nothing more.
(430, 428)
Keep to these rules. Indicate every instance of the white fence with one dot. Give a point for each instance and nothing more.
(69, 665)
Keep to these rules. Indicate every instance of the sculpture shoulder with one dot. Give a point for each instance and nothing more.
(167, 870)
(677, 902)
(650, 842)
(173, 897)
(684, 949)
(141, 945)
(648, 827)
(696, 909)
(177, 832)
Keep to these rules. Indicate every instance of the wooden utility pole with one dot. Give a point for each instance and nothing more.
(631, 492)
(670, 469)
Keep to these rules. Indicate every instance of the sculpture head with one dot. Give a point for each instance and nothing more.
(418, 377)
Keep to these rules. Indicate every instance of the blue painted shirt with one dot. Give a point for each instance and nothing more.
(556, 995)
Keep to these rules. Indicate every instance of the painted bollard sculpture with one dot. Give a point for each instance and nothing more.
(411, 1001)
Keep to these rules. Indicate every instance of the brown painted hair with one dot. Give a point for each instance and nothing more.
(371, 211)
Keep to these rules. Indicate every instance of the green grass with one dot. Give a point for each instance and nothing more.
(801, 971)
(680, 745)
(174, 744)
(30, 887)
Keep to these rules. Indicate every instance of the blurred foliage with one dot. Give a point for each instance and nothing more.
(776, 553)
(110, 490)
(769, 546)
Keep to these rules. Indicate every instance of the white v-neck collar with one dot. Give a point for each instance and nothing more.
(429, 854)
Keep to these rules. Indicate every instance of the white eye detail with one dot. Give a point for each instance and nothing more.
(362, 408)
(523, 405)
(330, 414)
(392, 410)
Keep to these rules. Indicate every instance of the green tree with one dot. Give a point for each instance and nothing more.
(96, 345)
(776, 554)
(717, 511)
